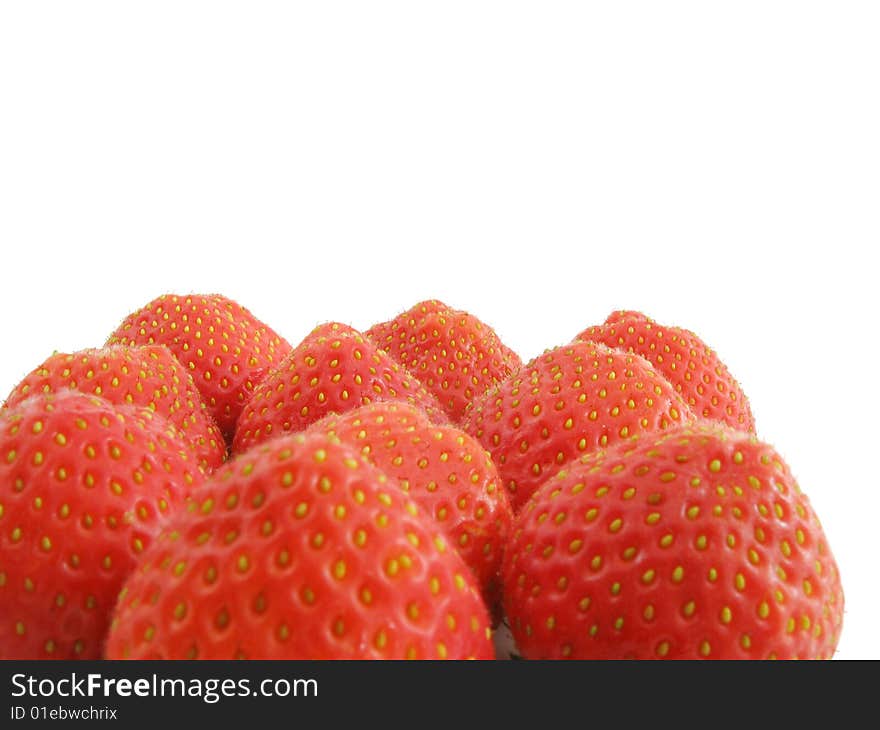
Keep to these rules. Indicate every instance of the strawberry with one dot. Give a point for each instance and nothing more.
(225, 348)
(333, 370)
(567, 402)
(455, 355)
(445, 471)
(300, 549)
(148, 376)
(694, 543)
(84, 486)
(684, 360)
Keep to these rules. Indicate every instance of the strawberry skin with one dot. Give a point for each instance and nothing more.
(333, 370)
(225, 348)
(694, 544)
(570, 401)
(148, 376)
(695, 371)
(446, 472)
(84, 486)
(299, 549)
(455, 355)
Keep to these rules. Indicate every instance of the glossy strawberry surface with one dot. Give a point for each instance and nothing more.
(300, 549)
(456, 356)
(148, 376)
(570, 401)
(225, 348)
(695, 544)
(442, 469)
(693, 368)
(333, 370)
(84, 487)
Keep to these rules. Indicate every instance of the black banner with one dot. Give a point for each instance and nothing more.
(141, 694)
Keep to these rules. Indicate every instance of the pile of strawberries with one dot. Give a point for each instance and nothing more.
(198, 488)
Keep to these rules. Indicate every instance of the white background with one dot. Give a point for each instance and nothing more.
(716, 165)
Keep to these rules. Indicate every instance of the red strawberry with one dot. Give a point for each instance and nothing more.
(148, 376)
(567, 402)
(697, 543)
(445, 472)
(684, 360)
(333, 370)
(455, 355)
(300, 550)
(225, 348)
(84, 485)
